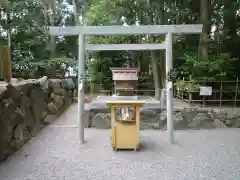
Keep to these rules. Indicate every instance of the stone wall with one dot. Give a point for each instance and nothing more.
(185, 118)
(27, 106)
(195, 118)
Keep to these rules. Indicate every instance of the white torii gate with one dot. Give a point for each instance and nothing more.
(81, 31)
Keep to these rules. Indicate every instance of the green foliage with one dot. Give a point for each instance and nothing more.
(191, 85)
(221, 64)
(29, 23)
(45, 67)
(33, 50)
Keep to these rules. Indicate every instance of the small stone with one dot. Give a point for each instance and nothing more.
(178, 116)
(43, 82)
(67, 84)
(52, 108)
(20, 135)
(102, 121)
(44, 114)
(55, 84)
(59, 91)
(49, 119)
(58, 100)
(198, 120)
(228, 122)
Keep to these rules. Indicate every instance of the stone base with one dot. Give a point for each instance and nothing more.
(187, 118)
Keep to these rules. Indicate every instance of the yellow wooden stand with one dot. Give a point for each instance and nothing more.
(125, 133)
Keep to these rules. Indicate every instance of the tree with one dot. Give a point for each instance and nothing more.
(28, 23)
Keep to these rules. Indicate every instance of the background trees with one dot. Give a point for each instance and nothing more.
(213, 54)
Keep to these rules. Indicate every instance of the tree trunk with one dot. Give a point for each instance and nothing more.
(162, 19)
(44, 11)
(52, 23)
(155, 74)
(230, 28)
(204, 16)
(154, 62)
(49, 5)
(203, 49)
(144, 62)
(162, 71)
(75, 12)
(9, 77)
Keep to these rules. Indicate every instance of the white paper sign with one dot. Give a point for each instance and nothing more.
(205, 90)
(80, 86)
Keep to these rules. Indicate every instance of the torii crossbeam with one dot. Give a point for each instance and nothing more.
(81, 31)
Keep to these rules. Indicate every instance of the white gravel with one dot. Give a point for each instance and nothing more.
(55, 154)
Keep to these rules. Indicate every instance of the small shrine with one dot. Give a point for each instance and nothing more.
(125, 80)
(126, 125)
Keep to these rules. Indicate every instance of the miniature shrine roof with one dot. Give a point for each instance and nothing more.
(124, 69)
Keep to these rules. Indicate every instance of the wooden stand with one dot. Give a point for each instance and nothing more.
(125, 132)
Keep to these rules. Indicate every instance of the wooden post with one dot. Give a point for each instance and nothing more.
(5, 64)
(9, 64)
(1, 64)
(214, 95)
(236, 93)
(221, 86)
(204, 97)
(182, 91)
(113, 125)
(190, 90)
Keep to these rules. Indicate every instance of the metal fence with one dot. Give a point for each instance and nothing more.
(224, 93)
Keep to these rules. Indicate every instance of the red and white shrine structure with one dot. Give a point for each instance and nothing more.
(125, 80)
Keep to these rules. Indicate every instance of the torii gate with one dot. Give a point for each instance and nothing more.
(81, 31)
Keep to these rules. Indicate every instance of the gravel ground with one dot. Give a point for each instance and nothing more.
(55, 154)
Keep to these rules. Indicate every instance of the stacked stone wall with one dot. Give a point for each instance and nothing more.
(29, 105)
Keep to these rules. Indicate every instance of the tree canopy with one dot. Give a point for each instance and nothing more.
(214, 54)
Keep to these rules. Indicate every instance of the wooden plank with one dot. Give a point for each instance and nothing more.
(124, 102)
(213, 91)
(124, 30)
(217, 100)
(118, 47)
(5, 64)
(236, 94)
(221, 91)
(1, 64)
(9, 65)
